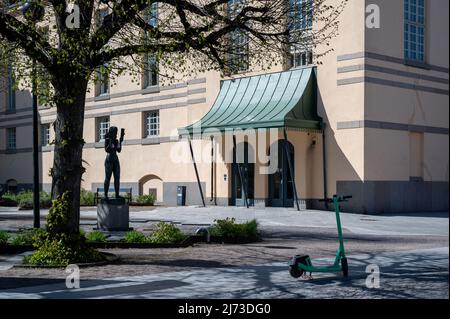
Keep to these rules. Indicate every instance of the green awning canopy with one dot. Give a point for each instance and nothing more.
(277, 100)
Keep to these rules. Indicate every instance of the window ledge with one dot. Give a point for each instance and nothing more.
(417, 64)
(150, 140)
(99, 144)
(102, 97)
(46, 148)
(151, 89)
(10, 111)
(10, 151)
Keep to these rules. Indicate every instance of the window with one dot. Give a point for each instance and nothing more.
(151, 124)
(152, 15)
(239, 41)
(299, 57)
(150, 61)
(102, 128)
(101, 14)
(11, 138)
(45, 134)
(11, 105)
(300, 23)
(150, 71)
(102, 85)
(414, 37)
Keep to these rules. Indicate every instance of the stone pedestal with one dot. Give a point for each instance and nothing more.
(113, 214)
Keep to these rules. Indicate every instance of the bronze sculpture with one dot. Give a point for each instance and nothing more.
(112, 165)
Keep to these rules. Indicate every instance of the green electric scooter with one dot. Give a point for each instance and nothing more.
(301, 264)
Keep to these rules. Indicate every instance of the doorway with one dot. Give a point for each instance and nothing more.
(281, 184)
(243, 159)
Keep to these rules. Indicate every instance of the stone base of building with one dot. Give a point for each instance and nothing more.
(113, 215)
(379, 197)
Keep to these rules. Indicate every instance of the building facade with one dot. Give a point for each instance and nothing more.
(371, 120)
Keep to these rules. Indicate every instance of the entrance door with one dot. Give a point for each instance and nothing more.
(248, 177)
(281, 185)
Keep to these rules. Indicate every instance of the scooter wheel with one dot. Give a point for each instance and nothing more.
(344, 264)
(295, 272)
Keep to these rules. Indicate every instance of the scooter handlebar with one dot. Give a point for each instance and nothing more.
(340, 199)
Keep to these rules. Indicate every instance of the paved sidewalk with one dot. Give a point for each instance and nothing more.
(414, 224)
(405, 274)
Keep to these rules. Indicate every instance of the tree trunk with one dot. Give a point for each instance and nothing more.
(67, 163)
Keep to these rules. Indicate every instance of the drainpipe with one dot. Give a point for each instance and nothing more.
(213, 198)
(325, 188)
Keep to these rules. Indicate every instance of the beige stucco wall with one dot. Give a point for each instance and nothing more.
(387, 151)
(344, 150)
(355, 154)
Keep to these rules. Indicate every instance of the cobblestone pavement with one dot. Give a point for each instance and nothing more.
(412, 255)
(406, 274)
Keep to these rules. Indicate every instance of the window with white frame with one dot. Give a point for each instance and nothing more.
(300, 25)
(45, 134)
(102, 128)
(414, 33)
(11, 105)
(238, 58)
(11, 138)
(151, 124)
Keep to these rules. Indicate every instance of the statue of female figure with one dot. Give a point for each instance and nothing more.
(112, 165)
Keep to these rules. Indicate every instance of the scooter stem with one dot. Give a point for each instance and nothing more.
(339, 227)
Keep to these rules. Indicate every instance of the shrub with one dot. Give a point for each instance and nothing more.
(62, 250)
(166, 233)
(54, 246)
(148, 200)
(4, 236)
(87, 198)
(25, 199)
(96, 237)
(8, 199)
(229, 229)
(25, 238)
(134, 237)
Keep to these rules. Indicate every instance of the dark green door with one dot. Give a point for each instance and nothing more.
(281, 186)
(248, 178)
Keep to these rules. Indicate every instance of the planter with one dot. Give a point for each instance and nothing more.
(109, 258)
(227, 240)
(15, 249)
(121, 245)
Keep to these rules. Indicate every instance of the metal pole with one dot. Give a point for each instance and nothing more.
(36, 211)
(196, 173)
(244, 186)
(212, 169)
(290, 169)
(324, 154)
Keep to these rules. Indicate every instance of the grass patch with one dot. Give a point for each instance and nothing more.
(4, 237)
(96, 237)
(134, 237)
